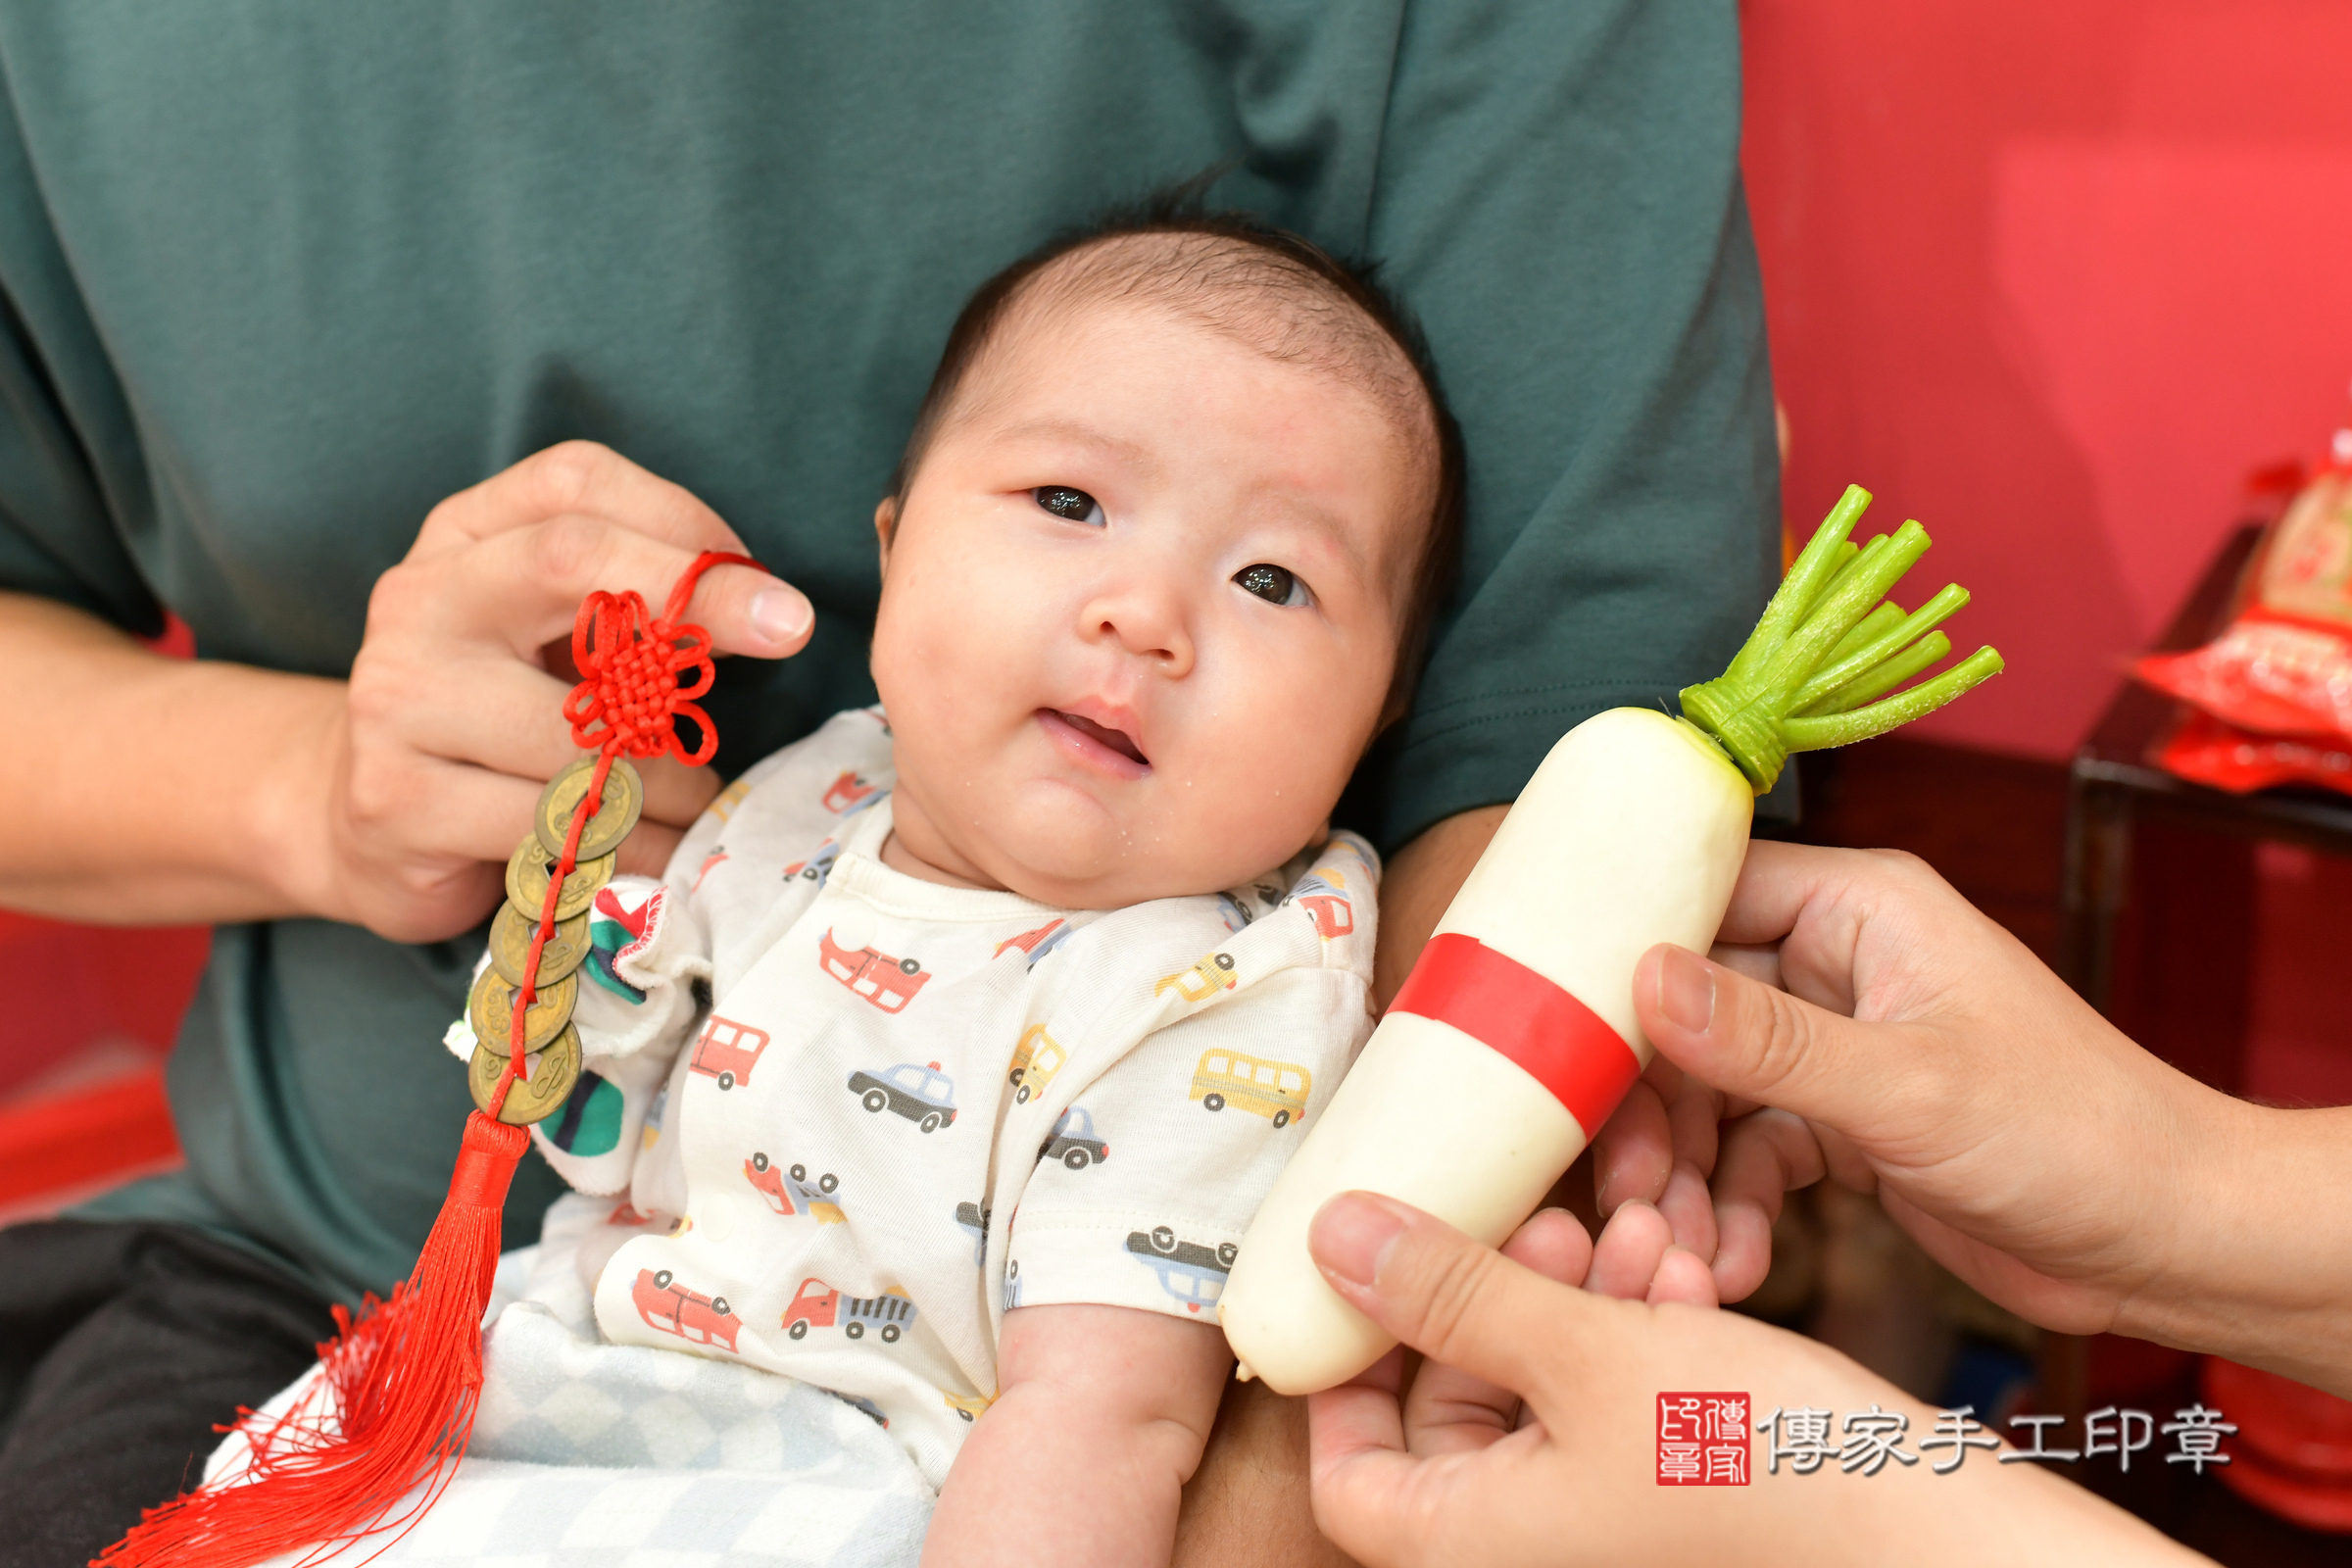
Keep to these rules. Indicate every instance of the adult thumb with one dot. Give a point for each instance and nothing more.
(1756, 1040)
(1455, 1300)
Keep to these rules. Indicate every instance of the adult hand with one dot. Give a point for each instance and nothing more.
(1531, 1435)
(452, 723)
(1904, 1044)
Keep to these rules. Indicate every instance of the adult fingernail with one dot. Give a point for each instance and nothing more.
(1687, 991)
(781, 613)
(1351, 1236)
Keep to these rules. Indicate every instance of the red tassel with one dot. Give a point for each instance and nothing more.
(394, 1405)
(393, 1408)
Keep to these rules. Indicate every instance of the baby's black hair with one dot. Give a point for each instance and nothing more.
(1274, 259)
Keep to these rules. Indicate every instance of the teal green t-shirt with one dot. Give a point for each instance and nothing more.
(277, 277)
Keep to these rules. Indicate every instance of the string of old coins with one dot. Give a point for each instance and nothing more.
(548, 1037)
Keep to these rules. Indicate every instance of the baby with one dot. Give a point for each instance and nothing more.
(947, 1066)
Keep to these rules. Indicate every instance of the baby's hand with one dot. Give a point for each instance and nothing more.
(1101, 1417)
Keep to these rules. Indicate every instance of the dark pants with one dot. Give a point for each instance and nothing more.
(120, 1347)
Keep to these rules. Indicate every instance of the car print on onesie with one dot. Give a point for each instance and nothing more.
(1035, 1061)
(974, 1218)
(1326, 904)
(795, 1191)
(727, 1051)
(888, 983)
(859, 1401)
(918, 1091)
(817, 867)
(816, 1305)
(845, 792)
(1204, 979)
(672, 1308)
(1189, 1271)
(1037, 943)
(971, 1406)
(1274, 1089)
(1073, 1141)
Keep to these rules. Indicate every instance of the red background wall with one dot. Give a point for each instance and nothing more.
(2051, 278)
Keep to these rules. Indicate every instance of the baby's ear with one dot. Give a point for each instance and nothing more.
(886, 522)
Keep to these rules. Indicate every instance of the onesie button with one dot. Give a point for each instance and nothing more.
(852, 926)
(717, 1219)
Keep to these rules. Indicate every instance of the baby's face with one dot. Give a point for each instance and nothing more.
(1140, 613)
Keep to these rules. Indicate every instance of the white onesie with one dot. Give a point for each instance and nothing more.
(903, 1108)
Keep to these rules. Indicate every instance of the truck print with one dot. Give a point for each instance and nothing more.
(1190, 1271)
(974, 1218)
(1073, 1141)
(846, 791)
(792, 1192)
(1035, 1061)
(819, 1305)
(916, 1091)
(1274, 1089)
(727, 1051)
(1327, 905)
(888, 983)
(1204, 979)
(1037, 943)
(672, 1308)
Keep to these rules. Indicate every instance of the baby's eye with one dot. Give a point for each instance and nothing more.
(1064, 501)
(1276, 585)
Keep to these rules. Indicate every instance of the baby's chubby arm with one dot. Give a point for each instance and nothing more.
(1099, 1421)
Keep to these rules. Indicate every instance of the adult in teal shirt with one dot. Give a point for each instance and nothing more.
(281, 280)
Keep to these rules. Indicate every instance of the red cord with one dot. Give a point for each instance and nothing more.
(394, 1407)
(633, 683)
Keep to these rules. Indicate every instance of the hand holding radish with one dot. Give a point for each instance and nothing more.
(1515, 1036)
(1906, 1045)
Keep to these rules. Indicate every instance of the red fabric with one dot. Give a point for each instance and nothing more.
(1503, 1003)
(395, 1406)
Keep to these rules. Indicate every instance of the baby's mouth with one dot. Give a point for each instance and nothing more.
(1117, 740)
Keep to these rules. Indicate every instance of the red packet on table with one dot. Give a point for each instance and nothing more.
(2205, 751)
(2283, 666)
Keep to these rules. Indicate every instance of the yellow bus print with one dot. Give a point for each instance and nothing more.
(1273, 1088)
(1035, 1061)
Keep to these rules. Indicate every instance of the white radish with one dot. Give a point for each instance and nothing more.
(1514, 1037)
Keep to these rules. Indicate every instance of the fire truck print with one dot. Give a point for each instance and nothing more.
(727, 1051)
(1073, 1141)
(918, 1091)
(1327, 905)
(888, 983)
(1035, 1061)
(818, 1305)
(1204, 979)
(846, 791)
(1191, 1272)
(974, 1218)
(1037, 943)
(672, 1308)
(794, 1192)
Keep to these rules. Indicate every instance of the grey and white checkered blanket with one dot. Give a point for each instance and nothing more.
(594, 1456)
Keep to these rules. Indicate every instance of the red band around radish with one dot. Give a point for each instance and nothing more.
(1503, 1005)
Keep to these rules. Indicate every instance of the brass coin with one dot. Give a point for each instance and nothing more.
(528, 872)
(491, 1012)
(553, 1073)
(510, 945)
(560, 802)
